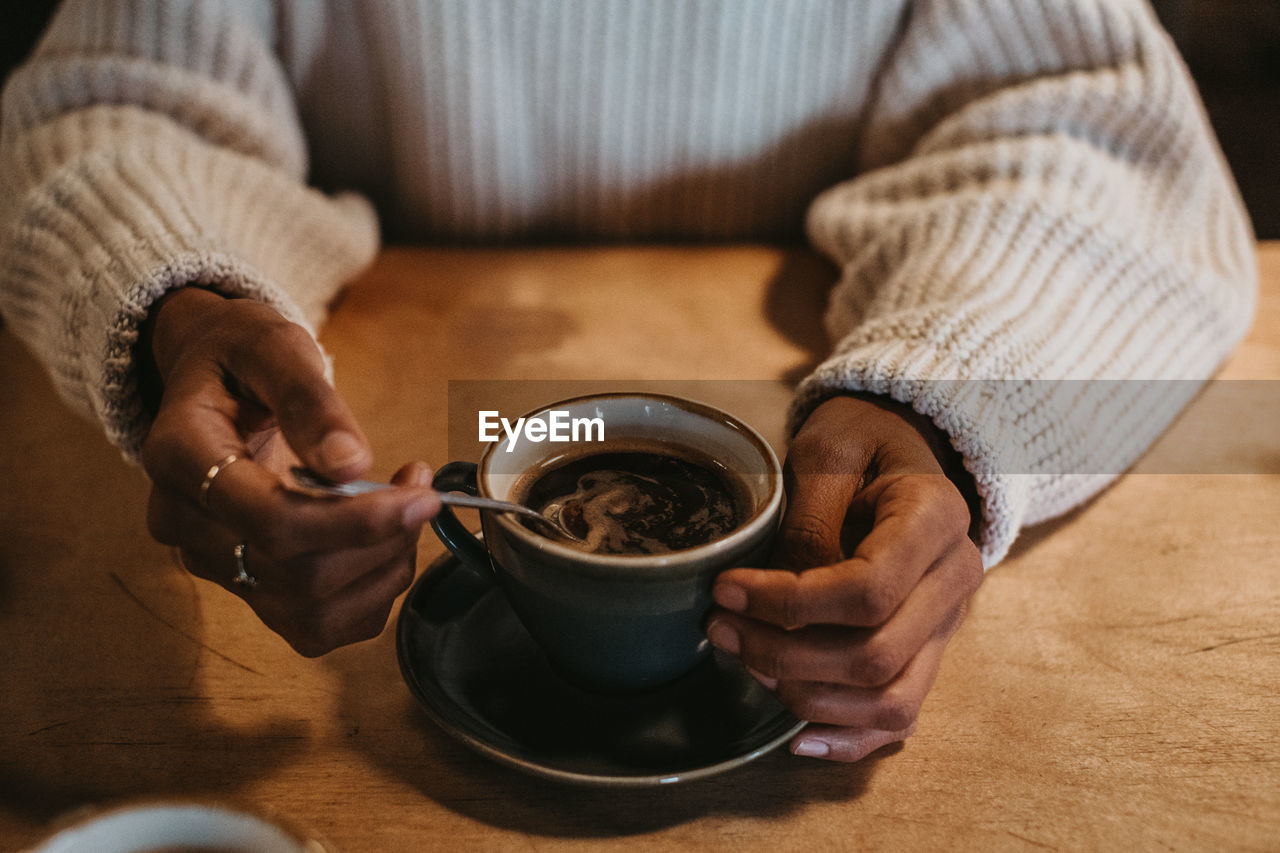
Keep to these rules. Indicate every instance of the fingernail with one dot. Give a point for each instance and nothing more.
(723, 637)
(730, 597)
(812, 749)
(338, 450)
(768, 681)
(419, 511)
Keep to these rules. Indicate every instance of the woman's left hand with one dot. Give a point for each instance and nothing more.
(853, 645)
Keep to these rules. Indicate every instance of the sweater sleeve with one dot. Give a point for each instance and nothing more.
(1045, 255)
(144, 147)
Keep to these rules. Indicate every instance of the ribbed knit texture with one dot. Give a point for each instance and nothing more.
(1013, 189)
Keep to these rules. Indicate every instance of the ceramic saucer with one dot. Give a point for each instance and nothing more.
(483, 679)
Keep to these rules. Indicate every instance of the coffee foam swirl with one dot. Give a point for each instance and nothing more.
(668, 506)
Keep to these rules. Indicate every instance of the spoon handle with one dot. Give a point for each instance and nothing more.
(313, 482)
(459, 499)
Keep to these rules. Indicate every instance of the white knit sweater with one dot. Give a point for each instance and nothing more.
(1018, 189)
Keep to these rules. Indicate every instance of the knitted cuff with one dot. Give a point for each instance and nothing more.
(103, 235)
(981, 426)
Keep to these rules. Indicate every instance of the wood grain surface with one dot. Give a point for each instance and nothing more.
(1115, 685)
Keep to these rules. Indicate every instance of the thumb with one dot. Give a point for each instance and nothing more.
(287, 376)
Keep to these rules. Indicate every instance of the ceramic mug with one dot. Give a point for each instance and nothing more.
(147, 826)
(616, 622)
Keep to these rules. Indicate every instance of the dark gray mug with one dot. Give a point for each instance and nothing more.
(616, 622)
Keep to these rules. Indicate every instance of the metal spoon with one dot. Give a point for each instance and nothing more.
(313, 482)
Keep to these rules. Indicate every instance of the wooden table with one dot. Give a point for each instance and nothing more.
(1114, 687)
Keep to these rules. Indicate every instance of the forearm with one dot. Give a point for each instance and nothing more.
(134, 165)
(1058, 211)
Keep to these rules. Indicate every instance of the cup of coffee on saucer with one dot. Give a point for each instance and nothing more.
(657, 494)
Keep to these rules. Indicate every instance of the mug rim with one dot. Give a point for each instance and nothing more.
(66, 827)
(762, 516)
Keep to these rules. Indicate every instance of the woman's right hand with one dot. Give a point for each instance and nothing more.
(238, 379)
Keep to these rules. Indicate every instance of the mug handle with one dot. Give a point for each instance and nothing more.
(459, 477)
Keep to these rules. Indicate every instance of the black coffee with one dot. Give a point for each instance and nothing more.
(636, 502)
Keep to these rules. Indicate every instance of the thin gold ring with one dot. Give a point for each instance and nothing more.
(214, 471)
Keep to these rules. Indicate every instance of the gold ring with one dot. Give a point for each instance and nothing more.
(242, 578)
(217, 469)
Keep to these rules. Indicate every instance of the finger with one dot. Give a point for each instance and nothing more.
(325, 574)
(315, 577)
(195, 429)
(199, 561)
(291, 523)
(865, 657)
(817, 653)
(209, 554)
(416, 473)
(289, 600)
(917, 519)
(836, 743)
(355, 613)
(284, 370)
(266, 367)
(315, 568)
(287, 524)
(892, 707)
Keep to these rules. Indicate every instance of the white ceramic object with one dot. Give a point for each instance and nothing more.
(144, 827)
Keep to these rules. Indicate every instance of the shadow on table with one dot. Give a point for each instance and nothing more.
(795, 303)
(102, 632)
(446, 771)
(1031, 537)
(103, 703)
